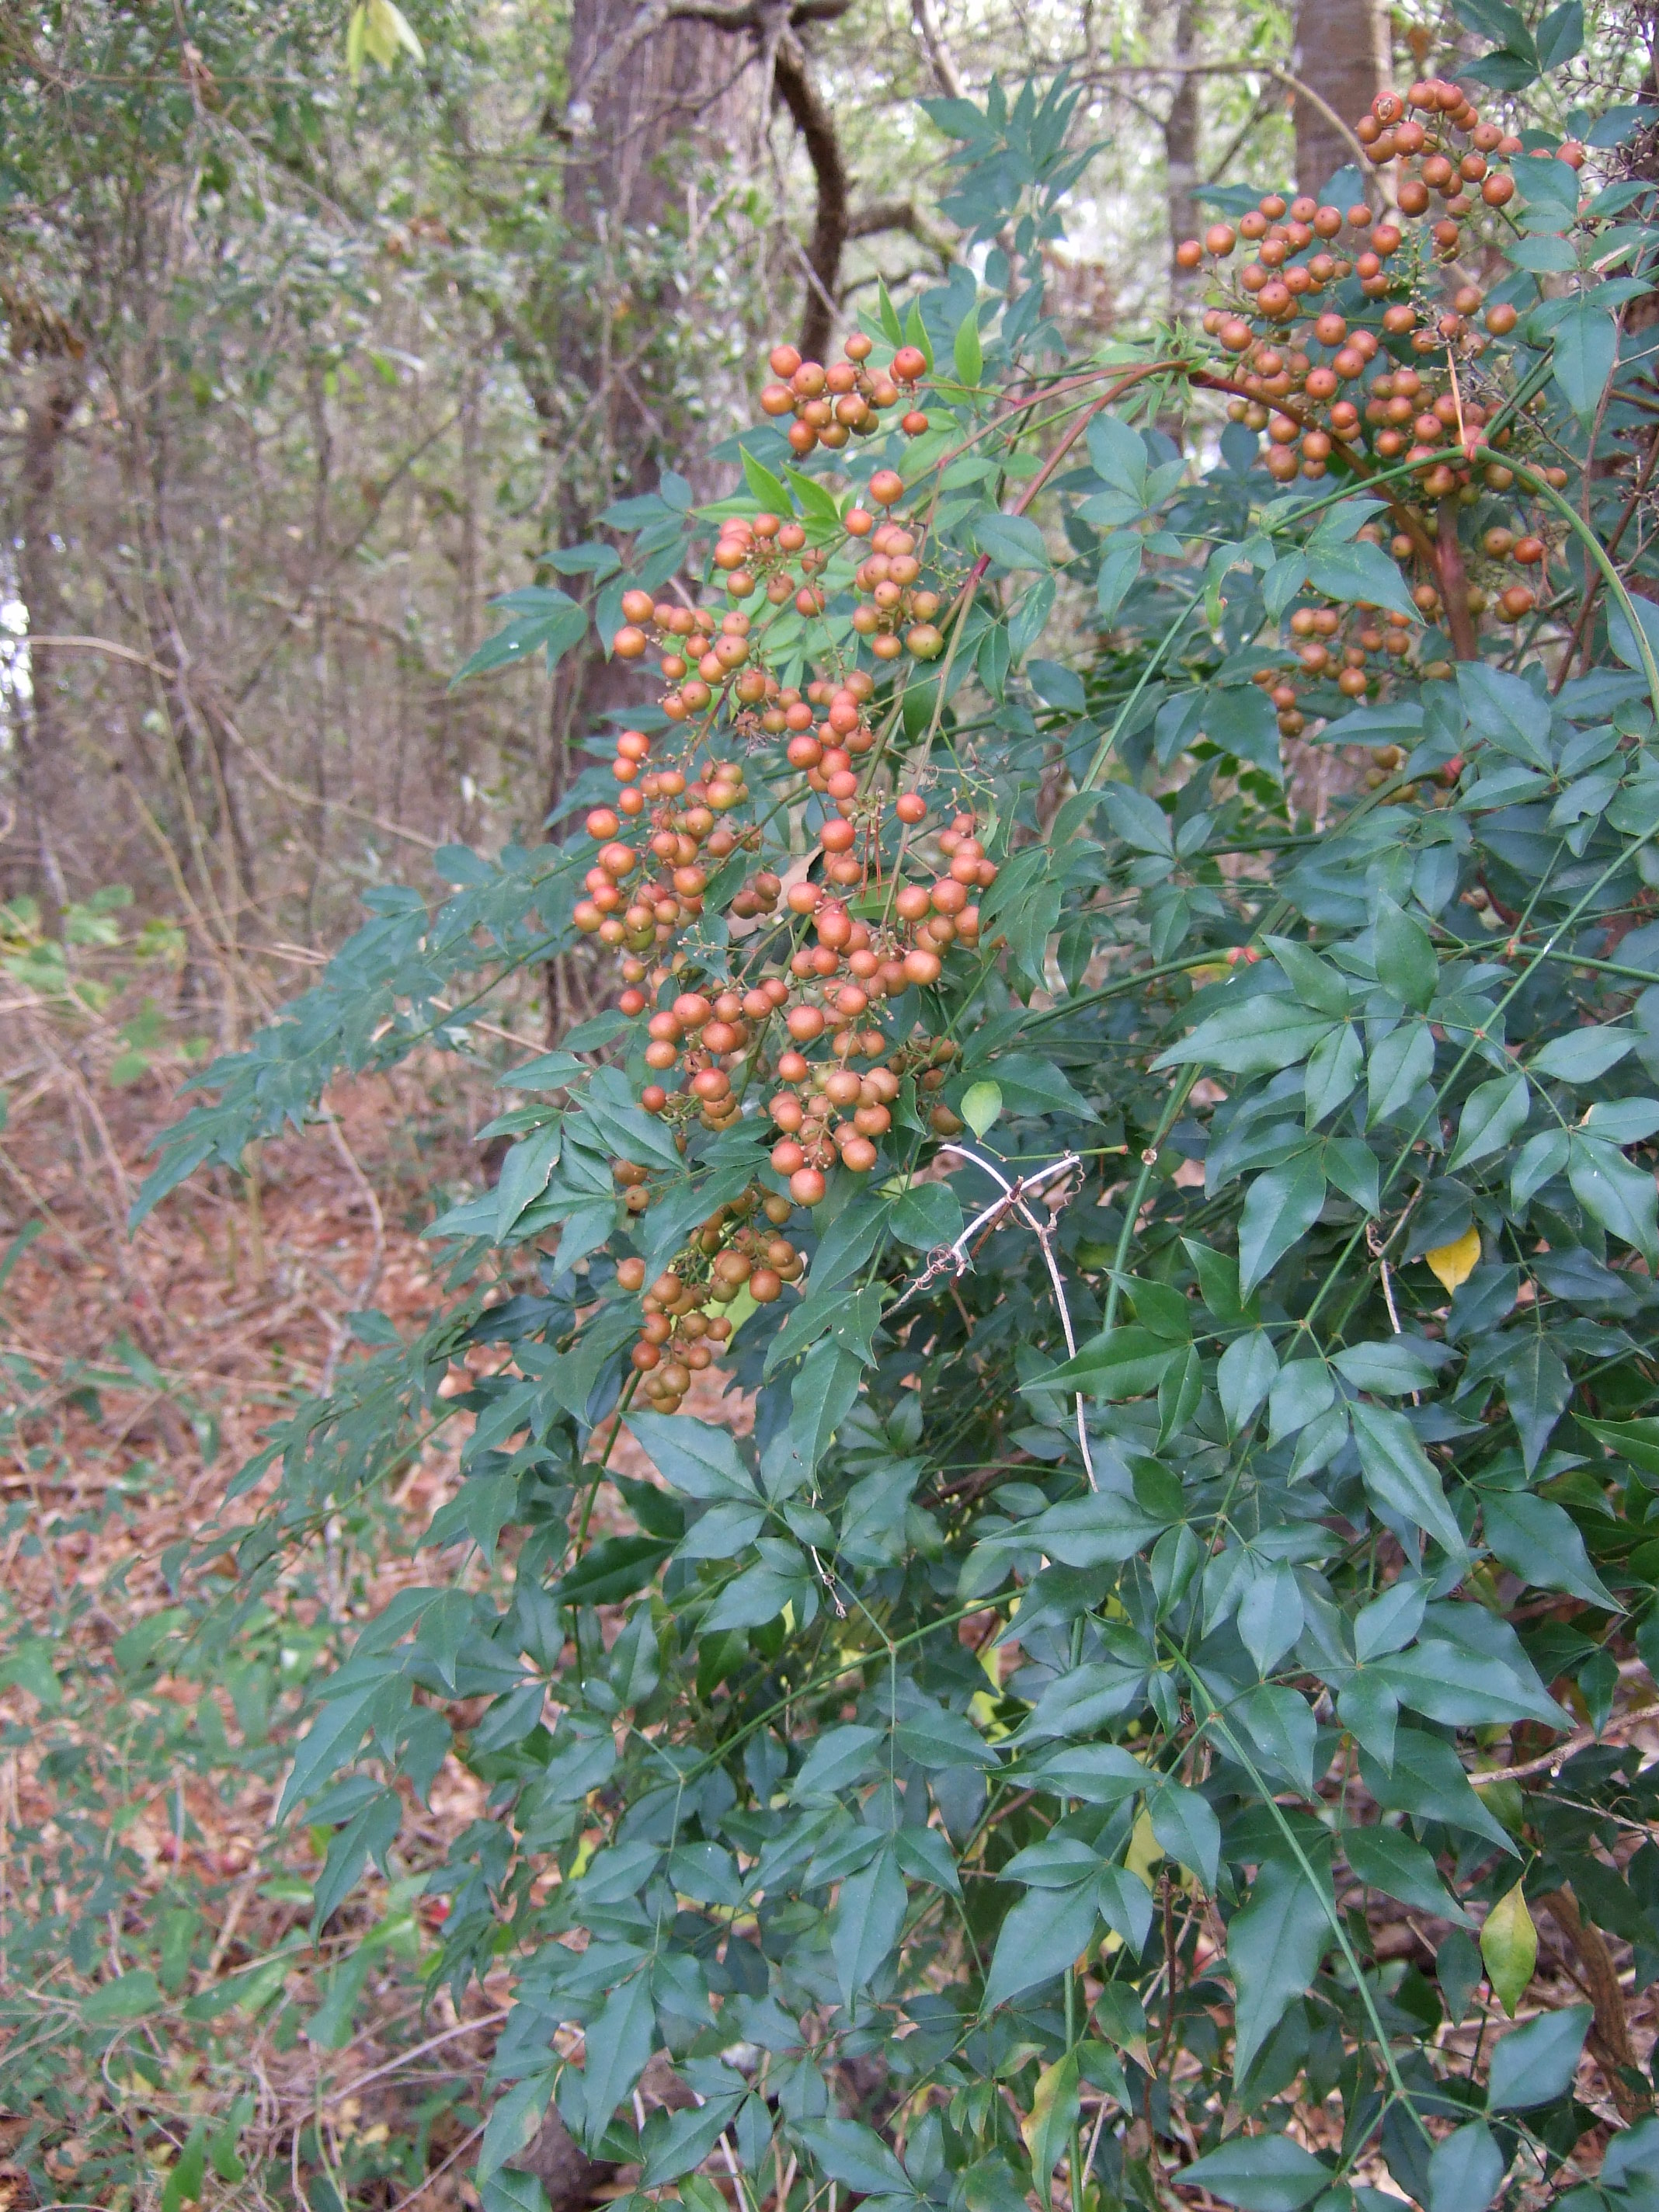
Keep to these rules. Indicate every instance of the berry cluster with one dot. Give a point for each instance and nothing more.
(737, 1249)
(893, 597)
(845, 400)
(681, 839)
(1416, 388)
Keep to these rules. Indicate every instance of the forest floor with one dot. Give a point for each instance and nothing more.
(141, 1755)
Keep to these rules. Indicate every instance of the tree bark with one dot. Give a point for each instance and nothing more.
(1343, 54)
(817, 126)
(43, 766)
(1180, 147)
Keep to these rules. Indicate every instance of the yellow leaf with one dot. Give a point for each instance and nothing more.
(1509, 1944)
(1454, 1263)
(356, 32)
(395, 24)
(1144, 1850)
(1054, 2108)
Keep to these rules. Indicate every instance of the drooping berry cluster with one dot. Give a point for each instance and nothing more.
(737, 1250)
(1409, 382)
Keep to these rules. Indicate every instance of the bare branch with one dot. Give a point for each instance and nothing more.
(896, 214)
(939, 54)
(957, 1258)
(1290, 82)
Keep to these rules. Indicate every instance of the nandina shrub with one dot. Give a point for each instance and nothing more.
(1109, 1698)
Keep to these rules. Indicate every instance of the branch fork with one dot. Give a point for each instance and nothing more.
(955, 1258)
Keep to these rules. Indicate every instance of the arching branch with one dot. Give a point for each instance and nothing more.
(813, 118)
(896, 214)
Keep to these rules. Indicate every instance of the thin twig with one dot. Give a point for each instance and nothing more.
(408, 2058)
(437, 2172)
(1570, 1748)
(958, 1257)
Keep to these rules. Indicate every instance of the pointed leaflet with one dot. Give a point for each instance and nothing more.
(1333, 1068)
(1405, 963)
(618, 2043)
(1187, 1828)
(1244, 1375)
(1535, 2064)
(968, 354)
(773, 496)
(865, 1926)
(1538, 1541)
(1370, 1712)
(1256, 1035)
(1387, 1859)
(1274, 1946)
(1451, 1265)
(1536, 1389)
(1040, 1938)
(1586, 347)
(1509, 1944)
(1054, 2107)
(1400, 1477)
(855, 2156)
(1263, 2173)
(1124, 1363)
(1314, 982)
(697, 1458)
(1280, 1209)
(1616, 1192)
(330, 1740)
(1400, 1065)
(1506, 711)
(1270, 1614)
(523, 1176)
(1492, 1114)
(1426, 1779)
(1280, 1727)
(1464, 2170)
(1126, 1906)
(1582, 1055)
(823, 1394)
(1103, 1528)
(1390, 1622)
(677, 2142)
(513, 2123)
(372, 1831)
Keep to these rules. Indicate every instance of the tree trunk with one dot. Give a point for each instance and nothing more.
(1342, 54)
(44, 770)
(1180, 147)
(641, 110)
